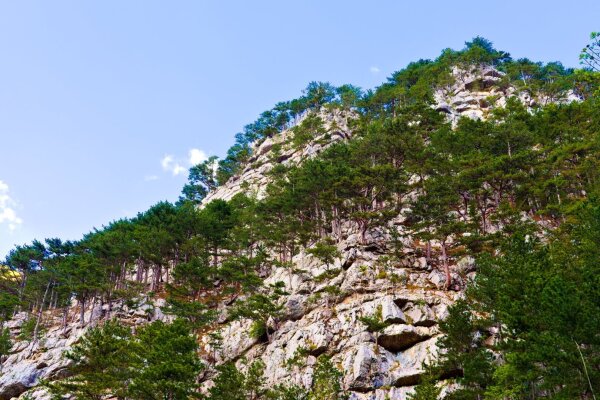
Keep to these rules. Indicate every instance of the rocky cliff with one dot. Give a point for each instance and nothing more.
(323, 303)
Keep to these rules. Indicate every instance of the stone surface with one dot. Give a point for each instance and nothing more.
(29, 362)
(375, 366)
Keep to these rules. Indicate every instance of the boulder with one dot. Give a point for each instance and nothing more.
(396, 338)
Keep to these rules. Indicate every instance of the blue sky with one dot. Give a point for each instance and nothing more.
(102, 103)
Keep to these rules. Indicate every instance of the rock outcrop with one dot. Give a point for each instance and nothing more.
(475, 93)
(279, 150)
(30, 361)
(375, 365)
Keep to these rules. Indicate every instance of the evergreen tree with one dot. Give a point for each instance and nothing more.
(5, 344)
(232, 384)
(169, 362)
(590, 55)
(201, 180)
(184, 299)
(229, 384)
(326, 383)
(160, 362)
(104, 363)
(287, 392)
(325, 251)
(375, 323)
(428, 388)
(260, 308)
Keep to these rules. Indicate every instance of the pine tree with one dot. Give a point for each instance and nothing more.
(169, 362)
(428, 388)
(326, 383)
(160, 362)
(375, 323)
(104, 363)
(229, 384)
(5, 344)
(259, 308)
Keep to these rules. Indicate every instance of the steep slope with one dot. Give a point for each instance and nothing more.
(253, 179)
(324, 303)
(318, 322)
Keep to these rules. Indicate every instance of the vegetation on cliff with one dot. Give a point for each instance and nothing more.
(516, 190)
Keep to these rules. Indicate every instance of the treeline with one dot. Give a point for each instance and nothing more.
(152, 253)
(283, 116)
(459, 186)
(413, 84)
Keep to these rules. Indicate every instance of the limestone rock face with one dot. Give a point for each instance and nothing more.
(253, 178)
(376, 365)
(317, 323)
(32, 361)
(476, 92)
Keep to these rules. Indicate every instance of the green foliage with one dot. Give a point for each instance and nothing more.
(283, 116)
(309, 128)
(464, 353)
(428, 387)
(464, 189)
(229, 384)
(232, 384)
(298, 359)
(254, 382)
(170, 362)
(328, 274)
(590, 55)
(5, 344)
(481, 51)
(259, 308)
(185, 291)
(326, 383)
(160, 362)
(201, 180)
(540, 301)
(27, 328)
(349, 96)
(103, 364)
(9, 299)
(325, 251)
(287, 392)
(258, 329)
(375, 322)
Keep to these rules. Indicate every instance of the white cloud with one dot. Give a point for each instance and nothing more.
(180, 165)
(150, 178)
(197, 156)
(374, 70)
(179, 169)
(171, 165)
(8, 215)
(166, 162)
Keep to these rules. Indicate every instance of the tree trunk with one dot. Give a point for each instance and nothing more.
(82, 312)
(446, 266)
(65, 317)
(40, 311)
(362, 227)
(428, 251)
(267, 331)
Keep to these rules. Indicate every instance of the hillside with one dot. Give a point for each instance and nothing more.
(434, 237)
